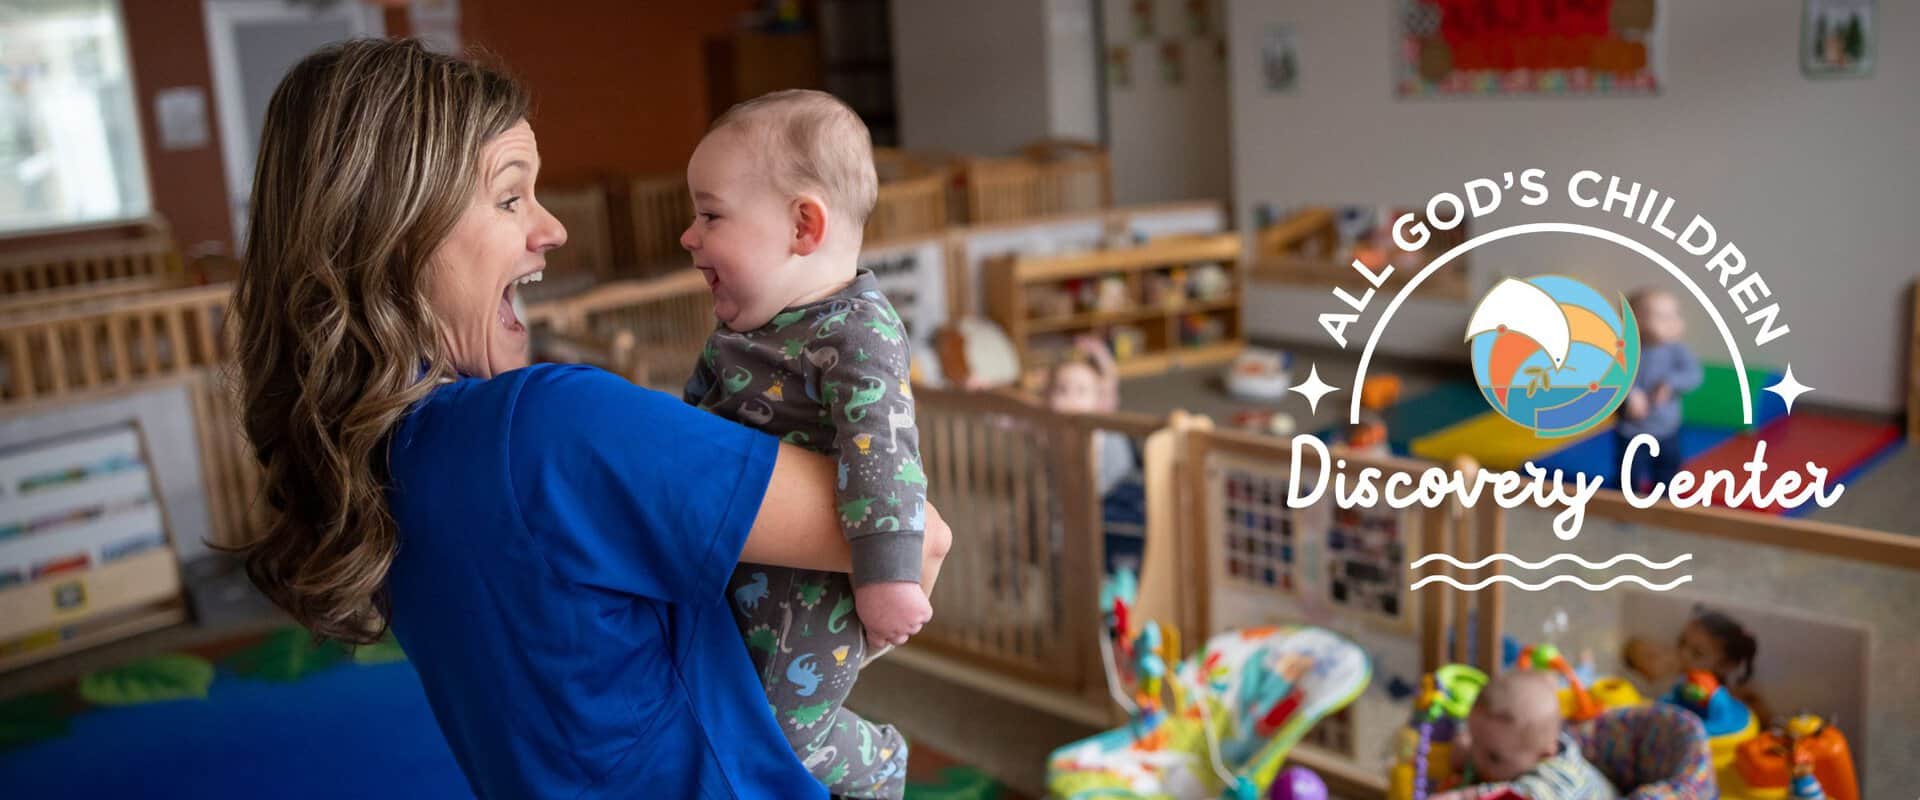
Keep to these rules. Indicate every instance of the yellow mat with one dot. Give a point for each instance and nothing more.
(1494, 441)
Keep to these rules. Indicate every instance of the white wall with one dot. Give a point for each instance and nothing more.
(1816, 181)
(1073, 78)
(1167, 142)
(970, 76)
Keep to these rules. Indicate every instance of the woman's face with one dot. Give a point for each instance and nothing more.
(500, 241)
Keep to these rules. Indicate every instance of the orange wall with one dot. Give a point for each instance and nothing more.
(619, 86)
(619, 89)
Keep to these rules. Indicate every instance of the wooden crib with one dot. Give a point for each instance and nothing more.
(913, 197)
(1049, 177)
(72, 266)
(649, 330)
(176, 335)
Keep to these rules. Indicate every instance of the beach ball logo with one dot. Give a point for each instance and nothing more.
(1552, 354)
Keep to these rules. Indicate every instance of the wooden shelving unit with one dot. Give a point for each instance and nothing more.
(1303, 250)
(1012, 283)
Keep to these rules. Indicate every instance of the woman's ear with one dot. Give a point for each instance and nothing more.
(809, 224)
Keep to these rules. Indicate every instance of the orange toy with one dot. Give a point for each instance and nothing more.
(1379, 391)
(1766, 762)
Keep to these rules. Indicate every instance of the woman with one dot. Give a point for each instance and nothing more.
(549, 543)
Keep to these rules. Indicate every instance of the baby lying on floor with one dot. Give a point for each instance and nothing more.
(1515, 743)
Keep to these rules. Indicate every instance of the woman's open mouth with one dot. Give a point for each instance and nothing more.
(513, 313)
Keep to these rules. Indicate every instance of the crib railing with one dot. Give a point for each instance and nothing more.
(653, 327)
(659, 209)
(909, 207)
(77, 265)
(133, 341)
(1050, 179)
(1016, 593)
(112, 344)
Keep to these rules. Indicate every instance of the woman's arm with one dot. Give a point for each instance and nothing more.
(798, 527)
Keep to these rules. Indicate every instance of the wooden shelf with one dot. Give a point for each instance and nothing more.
(1448, 284)
(1297, 250)
(1155, 363)
(1010, 280)
(1095, 319)
(94, 633)
(66, 599)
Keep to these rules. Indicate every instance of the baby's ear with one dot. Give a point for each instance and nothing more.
(809, 224)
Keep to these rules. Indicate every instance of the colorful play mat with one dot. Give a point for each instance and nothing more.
(268, 715)
(1453, 419)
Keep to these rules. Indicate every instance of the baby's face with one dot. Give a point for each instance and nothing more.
(743, 232)
(1076, 390)
(1513, 731)
(1699, 650)
(1660, 319)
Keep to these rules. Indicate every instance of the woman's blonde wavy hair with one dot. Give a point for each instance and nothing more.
(369, 154)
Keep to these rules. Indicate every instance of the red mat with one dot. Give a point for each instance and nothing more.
(1839, 446)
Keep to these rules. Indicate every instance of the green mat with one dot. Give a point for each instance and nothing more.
(1717, 403)
(956, 783)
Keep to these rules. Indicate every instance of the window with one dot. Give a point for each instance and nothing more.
(69, 135)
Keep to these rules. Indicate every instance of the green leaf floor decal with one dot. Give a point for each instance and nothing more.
(149, 680)
(33, 718)
(286, 655)
(385, 651)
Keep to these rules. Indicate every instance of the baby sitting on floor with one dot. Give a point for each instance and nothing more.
(1515, 743)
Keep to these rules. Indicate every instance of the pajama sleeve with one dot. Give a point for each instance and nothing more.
(881, 488)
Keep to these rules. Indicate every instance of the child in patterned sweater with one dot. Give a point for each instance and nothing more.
(807, 348)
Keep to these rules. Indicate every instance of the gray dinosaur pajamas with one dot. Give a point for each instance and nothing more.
(830, 376)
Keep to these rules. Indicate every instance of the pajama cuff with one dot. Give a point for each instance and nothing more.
(887, 557)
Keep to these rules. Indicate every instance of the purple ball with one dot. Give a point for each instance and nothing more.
(1298, 783)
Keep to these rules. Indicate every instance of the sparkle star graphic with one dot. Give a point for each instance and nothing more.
(1789, 388)
(1313, 389)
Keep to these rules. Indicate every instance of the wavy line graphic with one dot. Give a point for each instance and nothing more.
(1517, 561)
(1534, 587)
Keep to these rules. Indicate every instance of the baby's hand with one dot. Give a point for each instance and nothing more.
(891, 611)
(1636, 404)
(1663, 394)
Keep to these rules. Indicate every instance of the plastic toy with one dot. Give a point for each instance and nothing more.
(1217, 725)
(1440, 711)
(1379, 391)
(1727, 720)
(1806, 758)
(1258, 374)
(1298, 783)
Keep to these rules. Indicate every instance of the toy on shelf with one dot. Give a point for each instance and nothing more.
(1217, 725)
(1127, 341)
(1260, 374)
(1199, 330)
(1209, 282)
(1105, 294)
(1806, 758)
(1728, 721)
(1049, 301)
(1164, 289)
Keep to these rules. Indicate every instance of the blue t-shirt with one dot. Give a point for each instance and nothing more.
(565, 542)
